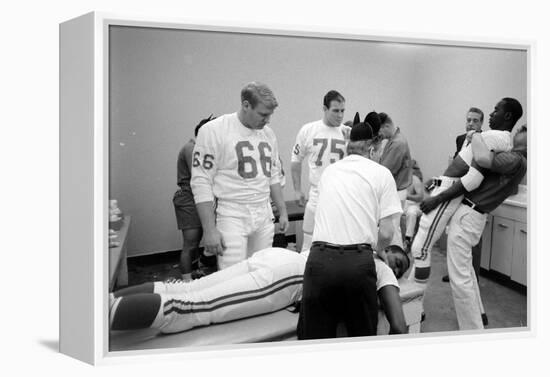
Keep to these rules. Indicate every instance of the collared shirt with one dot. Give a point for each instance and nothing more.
(354, 194)
(397, 158)
(507, 171)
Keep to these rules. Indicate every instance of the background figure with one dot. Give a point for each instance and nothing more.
(415, 195)
(186, 212)
(474, 122)
(322, 143)
(378, 141)
(236, 162)
(357, 203)
(397, 158)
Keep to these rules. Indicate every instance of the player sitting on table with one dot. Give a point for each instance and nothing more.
(432, 224)
(270, 280)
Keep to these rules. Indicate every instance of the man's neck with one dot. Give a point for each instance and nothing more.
(240, 115)
(326, 123)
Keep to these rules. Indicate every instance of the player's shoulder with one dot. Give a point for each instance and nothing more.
(188, 146)
(268, 131)
(495, 133)
(217, 125)
(384, 274)
(311, 127)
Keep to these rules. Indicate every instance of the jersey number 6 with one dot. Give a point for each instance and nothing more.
(247, 165)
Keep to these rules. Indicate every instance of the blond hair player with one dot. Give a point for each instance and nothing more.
(235, 171)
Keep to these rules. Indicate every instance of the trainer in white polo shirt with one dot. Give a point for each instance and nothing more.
(357, 202)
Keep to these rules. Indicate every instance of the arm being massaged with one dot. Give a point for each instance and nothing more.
(268, 281)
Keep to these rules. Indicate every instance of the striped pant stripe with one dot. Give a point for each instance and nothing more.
(175, 305)
(432, 229)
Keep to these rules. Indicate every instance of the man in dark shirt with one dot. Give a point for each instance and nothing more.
(397, 158)
(502, 174)
(474, 122)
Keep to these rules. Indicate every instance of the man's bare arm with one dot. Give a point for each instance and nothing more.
(385, 235)
(212, 239)
(393, 309)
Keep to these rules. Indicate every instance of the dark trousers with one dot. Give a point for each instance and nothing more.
(339, 286)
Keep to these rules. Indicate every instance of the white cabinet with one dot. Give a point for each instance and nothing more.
(519, 257)
(504, 246)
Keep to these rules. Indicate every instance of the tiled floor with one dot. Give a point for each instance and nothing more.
(505, 307)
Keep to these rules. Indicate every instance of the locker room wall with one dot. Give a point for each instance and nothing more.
(162, 82)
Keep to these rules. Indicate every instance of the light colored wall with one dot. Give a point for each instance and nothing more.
(164, 81)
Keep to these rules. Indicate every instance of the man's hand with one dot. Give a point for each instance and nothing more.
(213, 242)
(429, 204)
(283, 223)
(300, 198)
(470, 134)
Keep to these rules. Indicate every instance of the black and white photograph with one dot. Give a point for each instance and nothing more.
(226, 225)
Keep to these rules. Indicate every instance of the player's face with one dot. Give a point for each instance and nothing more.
(473, 122)
(256, 118)
(398, 262)
(385, 131)
(498, 116)
(334, 115)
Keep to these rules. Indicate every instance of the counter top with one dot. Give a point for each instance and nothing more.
(520, 199)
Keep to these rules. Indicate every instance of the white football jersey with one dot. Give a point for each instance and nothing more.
(322, 144)
(497, 141)
(235, 163)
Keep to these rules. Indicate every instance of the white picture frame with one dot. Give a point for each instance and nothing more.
(84, 138)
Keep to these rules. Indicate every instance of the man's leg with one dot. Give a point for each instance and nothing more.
(411, 214)
(272, 281)
(263, 231)
(235, 235)
(465, 230)
(269, 281)
(360, 311)
(190, 251)
(309, 218)
(430, 229)
(317, 320)
(133, 312)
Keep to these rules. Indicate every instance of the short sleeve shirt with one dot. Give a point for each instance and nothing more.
(354, 194)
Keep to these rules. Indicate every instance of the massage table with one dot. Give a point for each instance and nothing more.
(276, 326)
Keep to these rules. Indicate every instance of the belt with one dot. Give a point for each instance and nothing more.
(472, 205)
(353, 247)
